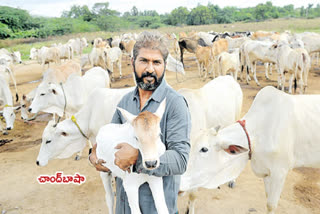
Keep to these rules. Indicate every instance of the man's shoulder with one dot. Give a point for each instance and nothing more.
(175, 98)
(128, 97)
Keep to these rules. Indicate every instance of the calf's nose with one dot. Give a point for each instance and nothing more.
(9, 128)
(151, 164)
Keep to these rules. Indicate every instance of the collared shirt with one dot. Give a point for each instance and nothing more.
(175, 128)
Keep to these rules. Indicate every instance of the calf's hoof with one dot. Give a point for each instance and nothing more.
(77, 158)
(232, 184)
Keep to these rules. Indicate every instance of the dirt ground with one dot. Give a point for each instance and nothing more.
(21, 193)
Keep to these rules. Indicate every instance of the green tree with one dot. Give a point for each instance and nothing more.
(199, 15)
(134, 11)
(179, 16)
(102, 9)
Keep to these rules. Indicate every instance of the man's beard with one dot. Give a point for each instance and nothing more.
(148, 86)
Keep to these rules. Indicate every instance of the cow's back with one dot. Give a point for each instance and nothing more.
(285, 128)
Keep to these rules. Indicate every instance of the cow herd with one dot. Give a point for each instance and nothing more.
(273, 134)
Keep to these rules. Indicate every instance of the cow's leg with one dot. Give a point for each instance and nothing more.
(283, 81)
(247, 75)
(199, 68)
(266, 65)
(236, 74)
(290, 83)
(156, 186)
(270, 68)
(119, 66)
(273, 186)
(107, 184)
(132, 189)
(255, 74)
(191, 203)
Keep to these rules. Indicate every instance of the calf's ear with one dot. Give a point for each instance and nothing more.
(127, 115)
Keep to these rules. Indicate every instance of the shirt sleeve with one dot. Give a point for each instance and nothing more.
(177, 137)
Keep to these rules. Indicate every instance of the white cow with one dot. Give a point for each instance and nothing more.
(229, 62)
(66, 139)
(114, 55)
(97, 57)
(294, 61)
(217, 104)
(70, 96)
(14, 57)
(282, 140)
(253, 51)
(78, 44)
(66, 51)
(47, 55)
(56, 75)
(6, 100)
(148, 141)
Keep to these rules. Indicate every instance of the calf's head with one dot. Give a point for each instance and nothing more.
(147, 133)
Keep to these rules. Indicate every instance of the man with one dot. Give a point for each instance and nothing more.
(149, 61)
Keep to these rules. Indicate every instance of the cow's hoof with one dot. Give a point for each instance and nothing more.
(187, 212)
(232, 184)
(5, 133)
(77, 158)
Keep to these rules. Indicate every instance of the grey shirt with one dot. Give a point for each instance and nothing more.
(175, 133)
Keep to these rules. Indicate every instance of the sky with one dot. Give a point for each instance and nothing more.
(54, 8)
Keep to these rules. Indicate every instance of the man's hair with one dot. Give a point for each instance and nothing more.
(151, 40)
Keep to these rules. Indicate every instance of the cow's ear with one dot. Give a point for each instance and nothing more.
(235, 149)
(127, 115)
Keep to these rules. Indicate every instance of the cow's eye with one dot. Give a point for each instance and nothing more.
(48, 141)
(135, 137)
(204, 149)
(64, 134)
(23, 106)
(42, 94)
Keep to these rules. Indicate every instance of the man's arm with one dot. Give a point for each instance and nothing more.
(174, 160)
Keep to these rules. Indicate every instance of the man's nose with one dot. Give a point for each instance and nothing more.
(150, 67)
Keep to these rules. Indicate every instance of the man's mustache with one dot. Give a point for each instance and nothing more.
(147, 74)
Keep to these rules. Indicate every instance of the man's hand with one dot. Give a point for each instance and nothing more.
(126, 156)
(97, 162)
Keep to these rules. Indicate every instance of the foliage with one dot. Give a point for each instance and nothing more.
(17, 23)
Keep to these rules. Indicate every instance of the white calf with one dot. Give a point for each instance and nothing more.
(143, 133)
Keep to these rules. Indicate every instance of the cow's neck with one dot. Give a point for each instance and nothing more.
(83, 120)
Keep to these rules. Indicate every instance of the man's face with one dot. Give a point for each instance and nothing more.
(149, 69)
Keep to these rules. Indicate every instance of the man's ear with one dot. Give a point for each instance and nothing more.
(127, 115)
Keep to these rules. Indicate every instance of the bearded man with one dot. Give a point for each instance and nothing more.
(149, 62)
